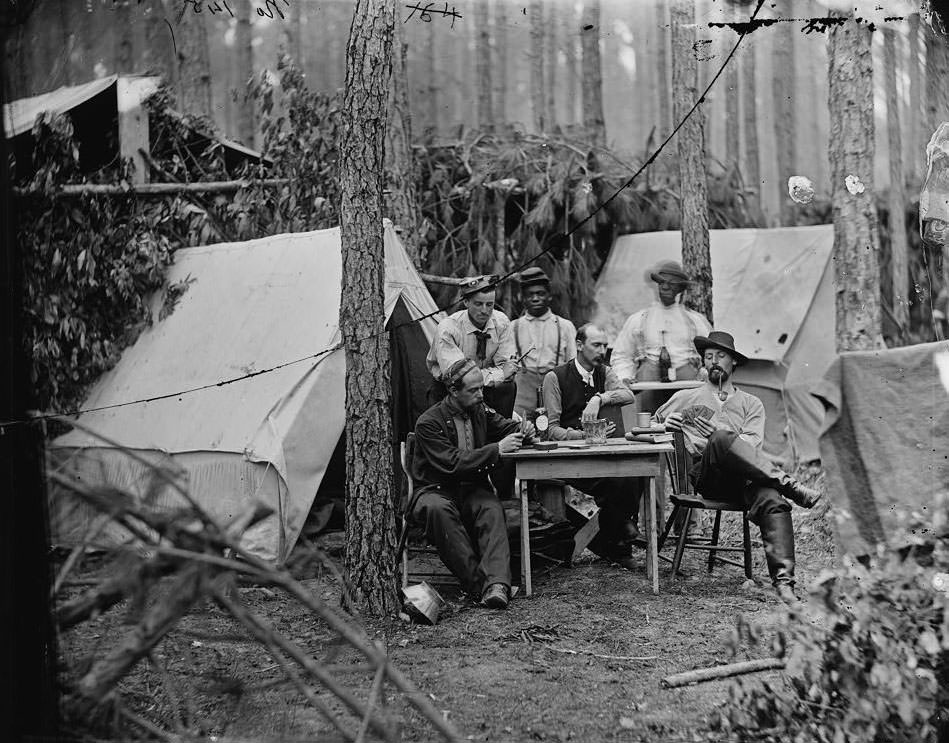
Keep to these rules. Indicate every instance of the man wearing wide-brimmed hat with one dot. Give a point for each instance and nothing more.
(542, 339)
(724, 431)
(666, 323)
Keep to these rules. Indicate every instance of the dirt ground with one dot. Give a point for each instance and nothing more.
(580, 660)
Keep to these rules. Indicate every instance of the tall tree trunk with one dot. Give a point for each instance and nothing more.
(124, 52)
(244, 56)
(732, 117)
(783, 85)
(897, 200)
(749, 100)
(402, 201)
(915, 155)
(370, 519)
(693, 189)
(158, 56)
(937, 104)
(571, 67)
(593, 119)
(538, 87)
(499, 55)
(483, 66)
(851, 150)
(551, 48)
(194, 66)
(662, 69)
(433, 89)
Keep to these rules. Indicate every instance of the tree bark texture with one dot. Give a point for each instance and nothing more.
(662, 70)
(732, 116)
(899, 270)
(483, 67)
(916, 154)
(194, 66)
(244, 57)
(782, 82)
(537, 85)
(370, 518)
(593, 119)
(937, 83)
(499, 55)
(402, 201)
(551, 48)
(693, 189)
(749, 100)
(432, 90)
(856, 239)
(159, 54)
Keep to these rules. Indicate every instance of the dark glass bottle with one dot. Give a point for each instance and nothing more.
(665, 360)
(541, 421)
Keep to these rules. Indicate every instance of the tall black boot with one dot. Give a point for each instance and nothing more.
(777, 534)
(744, 460)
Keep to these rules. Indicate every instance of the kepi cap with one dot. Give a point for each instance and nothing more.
(533, 275)
(479, 284)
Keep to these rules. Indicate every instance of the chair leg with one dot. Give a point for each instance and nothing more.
(716, 528)
(404, 552)
(668, 527)
(680, 545)
(746, 536)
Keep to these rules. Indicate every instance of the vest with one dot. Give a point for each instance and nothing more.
(574, 392)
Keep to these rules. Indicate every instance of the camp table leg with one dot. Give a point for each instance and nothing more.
(525, 543)
(652, 545)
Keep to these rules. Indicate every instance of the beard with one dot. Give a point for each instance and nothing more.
(717, 375)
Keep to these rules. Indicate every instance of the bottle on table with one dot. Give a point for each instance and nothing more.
(666, 372)
(541, 421)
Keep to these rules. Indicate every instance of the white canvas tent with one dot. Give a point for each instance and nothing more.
(250, 306)
(773, 290)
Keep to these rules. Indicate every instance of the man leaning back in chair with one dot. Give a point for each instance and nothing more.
(724, 431)
(458, 442)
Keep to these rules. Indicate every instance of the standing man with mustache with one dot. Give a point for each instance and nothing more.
(543, 340)
(724, 431)
(578, 391)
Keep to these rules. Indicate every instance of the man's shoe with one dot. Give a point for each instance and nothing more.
(628, 563)
(629, 532)
(800, 494)
(495, 596)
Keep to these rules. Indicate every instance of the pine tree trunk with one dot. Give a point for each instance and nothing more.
(749, 100)
(662, 70)
(124, 53)
(244, 56)
(571, 68)
(916, 155)
(937, 105)
(856, 240)
(370, 519)
(402, 201)
(897, 198)
(159, 54)
(433, 91)
(538, 88)
(784, 126)
(499, 55)
(551, 47)
(732, 117)
(593, 119)
(483, 67)
(693, 189)
(194, 67)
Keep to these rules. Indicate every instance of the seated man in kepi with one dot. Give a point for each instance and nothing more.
(724, 431)
(459, 441)
(578, 391)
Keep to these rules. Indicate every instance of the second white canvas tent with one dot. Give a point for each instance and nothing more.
(773, 290)
(268, 304)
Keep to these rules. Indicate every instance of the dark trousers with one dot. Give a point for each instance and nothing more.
(732, 470)
(618, 500)
(467, 526)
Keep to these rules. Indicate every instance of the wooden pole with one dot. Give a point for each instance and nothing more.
(717, 672)
(155, 189)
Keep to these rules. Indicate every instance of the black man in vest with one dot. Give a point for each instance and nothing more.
(458, 442)
(542, 339)
(579, 390)
(724, 431)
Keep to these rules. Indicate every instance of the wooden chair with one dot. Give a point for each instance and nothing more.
(406, 452)
(686, 501)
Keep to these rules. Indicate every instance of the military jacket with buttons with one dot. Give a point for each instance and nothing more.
(438, 459)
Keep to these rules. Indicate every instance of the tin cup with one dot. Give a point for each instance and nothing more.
(643, 420)
(594, 432)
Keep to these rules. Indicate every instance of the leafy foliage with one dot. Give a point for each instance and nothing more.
(871, 664)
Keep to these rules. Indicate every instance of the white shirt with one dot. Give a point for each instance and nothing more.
(543, 334)
(586, 376)
(642, 337)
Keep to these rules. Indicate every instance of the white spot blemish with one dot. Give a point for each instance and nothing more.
(854, 185)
